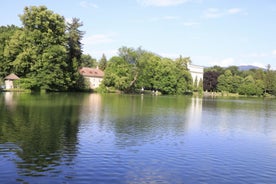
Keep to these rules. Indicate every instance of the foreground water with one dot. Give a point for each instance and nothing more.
(92, 138)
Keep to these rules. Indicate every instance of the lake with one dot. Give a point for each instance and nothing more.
(111, 138)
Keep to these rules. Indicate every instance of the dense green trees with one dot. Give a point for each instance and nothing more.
(39, 50)
(229, 82)
(6, 32)
(250, 86)
(253, 82)
(45, 52)
(136, 69)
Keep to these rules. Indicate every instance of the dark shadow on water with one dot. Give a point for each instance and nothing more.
(42, 129)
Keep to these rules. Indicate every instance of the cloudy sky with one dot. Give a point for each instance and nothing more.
(211, 32)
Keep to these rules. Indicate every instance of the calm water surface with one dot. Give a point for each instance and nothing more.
(92, 138)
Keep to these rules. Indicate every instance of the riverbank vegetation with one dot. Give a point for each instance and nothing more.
(253, 82)
(136, 69)
(46, 53)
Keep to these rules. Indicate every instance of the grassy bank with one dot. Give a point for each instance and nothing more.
(227, 94)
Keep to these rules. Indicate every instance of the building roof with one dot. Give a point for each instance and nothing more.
(91, 72)
(12, 76)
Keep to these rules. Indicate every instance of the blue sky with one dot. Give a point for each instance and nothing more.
(211, 32)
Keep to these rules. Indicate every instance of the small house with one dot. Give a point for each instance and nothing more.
(93, 75)
(9, 80)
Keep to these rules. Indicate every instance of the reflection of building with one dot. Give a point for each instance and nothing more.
(93, 75)
(195, 113)
(9, 100)
(196, 72)
(9, 81)
(91, 110)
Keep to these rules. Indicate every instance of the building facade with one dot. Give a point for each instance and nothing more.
(196, 72)
(94, 76)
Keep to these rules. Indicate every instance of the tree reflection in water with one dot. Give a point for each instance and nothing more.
(43, 128)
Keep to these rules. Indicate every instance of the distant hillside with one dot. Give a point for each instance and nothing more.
(248, 67)
(244, 67)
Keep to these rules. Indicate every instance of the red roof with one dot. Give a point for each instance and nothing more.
(12, 76)
(91, 72)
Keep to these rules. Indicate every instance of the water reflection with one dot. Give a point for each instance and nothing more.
(134, 133)
(137, 119)
(9, 100)
(246, 115)
(138, 122)
(80, 138)
(42, 128)
(194, 113)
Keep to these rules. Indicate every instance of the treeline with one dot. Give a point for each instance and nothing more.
(136, 69)
(253, 82)
(45, 52)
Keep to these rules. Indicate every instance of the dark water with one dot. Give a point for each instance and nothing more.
(91, 138)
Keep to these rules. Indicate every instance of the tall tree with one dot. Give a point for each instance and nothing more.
(269, 80)
(103, 62)
(39, 49)
(118, 74)
(184, 79)
(75, 53)
(132, 57)
(148, 69)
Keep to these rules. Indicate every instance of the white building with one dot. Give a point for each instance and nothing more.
(196, 72)
(93, 75)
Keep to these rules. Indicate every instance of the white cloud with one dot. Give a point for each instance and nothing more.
(234, 10)
(98, 39)
(86, 4)
(154, 19)
(224, 62)
(274, 52)
(191, 23)
(170, 17)
(161, 3)
(212, 13)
